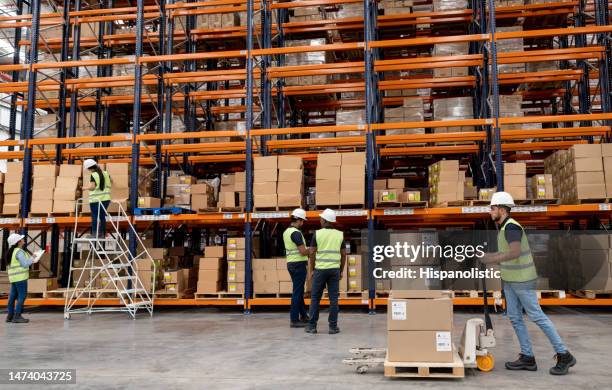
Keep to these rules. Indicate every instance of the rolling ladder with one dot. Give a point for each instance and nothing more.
(108, 257)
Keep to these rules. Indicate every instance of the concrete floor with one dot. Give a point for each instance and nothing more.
(214, 349)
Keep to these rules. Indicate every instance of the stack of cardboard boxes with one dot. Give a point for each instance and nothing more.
(393, 191)
(265, 178)
(178, 190)
(541, 186)
(305, 14)
(67, 190)
(450, 5)
(515, 180)
(211, 270)
(233, 190)
(235, 252)
(411, 111)
(306, 58)
(43, 186)
(12, 187)
(202, 196)
(328, 179)
(510, 106)
(419, 327)
(446, 182)
(352, 178)
(178, 281)
(346, 117)
(451, 49)
(270, 276)
(354, 274)
(451, 109)
(290, 188)
(396, 7)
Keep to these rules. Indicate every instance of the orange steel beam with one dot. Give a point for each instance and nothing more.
(316, 143)
(444, 123)
(550, 32)
(218, 10)
(307, 130)
(307, 49)
(72, 64)
(429, 41)
(194, 56)
(428, 62)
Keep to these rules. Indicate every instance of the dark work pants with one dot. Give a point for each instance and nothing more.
(297, 271)
(98, 218)
(320, 279)
(19, 290)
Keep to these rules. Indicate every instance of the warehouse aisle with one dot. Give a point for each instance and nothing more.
(213, 349)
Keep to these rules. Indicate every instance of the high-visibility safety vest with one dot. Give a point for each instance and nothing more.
(521, 269)
(98, 195)
(329, 243)
(17, 273)
(291, 250)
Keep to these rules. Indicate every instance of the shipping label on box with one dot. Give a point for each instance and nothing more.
(235, 254)
(236, 243)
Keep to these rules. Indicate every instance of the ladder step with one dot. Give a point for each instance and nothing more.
(116, 266)
(118, 278)
(109, 252)
(133, 291)
(94, 239)
(138, 304)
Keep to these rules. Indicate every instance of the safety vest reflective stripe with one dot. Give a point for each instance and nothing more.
(98, 195)
(329, 243)
(521, 269)
(17, 273)
(291, 250)
(517, 266)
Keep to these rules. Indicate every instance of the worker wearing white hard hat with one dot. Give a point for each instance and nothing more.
(519, 277)
(99, 196)
(18, 259)
(329, 255)
(297, 265)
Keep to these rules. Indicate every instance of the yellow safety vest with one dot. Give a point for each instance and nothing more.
(329, 243)
(291, 250)
(17, 273)
(521, 269)
(98, 195)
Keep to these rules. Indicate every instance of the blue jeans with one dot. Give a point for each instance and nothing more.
(98, 218)
(19, 290)
(522, 295)
(321, 278)
(297, 271)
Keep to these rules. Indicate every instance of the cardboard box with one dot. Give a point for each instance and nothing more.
(410, 196)
(208, 286)
(121, 181)
(210, 263)
(324, 172)
(201, 201)
(290, 162)
(201, 188)
(517, 192)
(285, 287)
(264, 264)
(40, 170)
(352, 184)
(327, 198)
(148, 202)
(587, 164)
(398, 184)
(265, 176)
(235, 288)
(42, 285)
(46, 183)
(606, 150)
(117, 169)
(235, 254)
(329, 159)
(515, 169)
(289, 187)
(227, 199)
(586, 150)
(10, 208)
(380, 184)
(420, 346)
(181, 179)
(236, 243)
(351, 171)
(42, 193)
(289, 200)
(354, 158)
(70, 170)
(325, 186)
(214, 251)
(12, 187)
(420, 314)
(64, 206)
(388, 196)
(240, 181)
(235, 265)
(290, 175)
(515, 181)
(235, 276)
(265, 162)
(590, 191)
(267, 200)
(43, 206)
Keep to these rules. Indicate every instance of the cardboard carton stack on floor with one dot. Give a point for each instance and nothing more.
(265, 276)
(451, 49)
(452, 109)
(178, 190)
(306, 58)
(68, 187)
(290, 187)
(411, 111)
(419, 327)
(120, 190)
(177, 281)
(352, 178)
(265, 178)
(43, 186)
(328, 179)
(211, 273)
(235, 252)
(515, 180)
(446, 182)
(12, 187)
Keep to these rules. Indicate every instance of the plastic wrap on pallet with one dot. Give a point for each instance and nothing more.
(305, 14)
(350, 117)
(348, 78)
(542, 66)
(451, 49)
(352, 10)
(123, 70)
(510, 106)
(450, 109)
(410, 111)
(243, 18)
(509, 3)
(450, 5)
(510, 45)
(396, 7)
(307, 58)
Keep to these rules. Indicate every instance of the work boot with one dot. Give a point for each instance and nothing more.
(524, 362)
(310, 329)
(297, 324)
(9, 318)
(564, 362)
(334, 330)
(305, 320)
(18, 319)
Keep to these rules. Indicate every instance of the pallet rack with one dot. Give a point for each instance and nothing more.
(180, 70)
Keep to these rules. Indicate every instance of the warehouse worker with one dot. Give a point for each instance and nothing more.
(99, 194)
(18, 260)
(519, 277)
(327, 251)
(297, 265)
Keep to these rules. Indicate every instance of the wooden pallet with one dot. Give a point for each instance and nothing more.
(276, 208)
(453, 370)
(544, 201)
(559, 294)
(174, 294)
(478, 202)
(414, 204)
(348, 294)
(591, 201)
(272, 295)
(382, 294)
(220, 210)
(476, 294)
(592, 294)
(454, 203)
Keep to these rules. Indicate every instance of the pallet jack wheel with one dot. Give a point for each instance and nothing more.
(485, 363)
(362, 369)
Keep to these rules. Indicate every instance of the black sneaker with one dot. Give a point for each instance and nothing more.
(9, 318)
(564, 362)
(310, 329)
(334, 330)
(18, 319)
(305, 320)
(523, 363)
(297, 324)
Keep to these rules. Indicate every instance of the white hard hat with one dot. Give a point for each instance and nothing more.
(299, 213)
(14, 238)
(89, 163)
(502, 199)
(329, 215)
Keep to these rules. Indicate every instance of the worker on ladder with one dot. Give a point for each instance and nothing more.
(18, 260)
(297, 265)
(329, 255)
(519, 277)
(99, 194)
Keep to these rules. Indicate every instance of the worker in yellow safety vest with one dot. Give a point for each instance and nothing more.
(99, 197)
(297, 265)
(327, 259)
(519, 277)
(18, 260)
